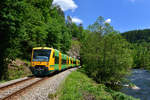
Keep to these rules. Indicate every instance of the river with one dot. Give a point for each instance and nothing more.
(141, 78)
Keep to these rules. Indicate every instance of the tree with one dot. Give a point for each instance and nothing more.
(106, 56)
(10, 30)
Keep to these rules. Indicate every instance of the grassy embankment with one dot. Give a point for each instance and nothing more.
(79, 86)
(18, 69)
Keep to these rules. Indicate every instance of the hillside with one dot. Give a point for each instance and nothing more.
(139, 44)
(137, 36)
(18, 69)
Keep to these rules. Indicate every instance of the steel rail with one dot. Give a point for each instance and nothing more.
(15, 83)
(10, 96)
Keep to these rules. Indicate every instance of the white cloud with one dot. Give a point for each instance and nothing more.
(108, 21)
(66, 4)
(76, 20)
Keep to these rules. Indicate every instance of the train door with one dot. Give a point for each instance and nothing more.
(60, 59)
(67, 61)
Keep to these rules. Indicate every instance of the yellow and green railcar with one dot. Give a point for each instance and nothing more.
(77, 62)
(45, 60)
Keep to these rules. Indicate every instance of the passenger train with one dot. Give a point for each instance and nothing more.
(45, 60)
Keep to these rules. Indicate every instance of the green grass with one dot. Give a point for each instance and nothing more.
(78, 86)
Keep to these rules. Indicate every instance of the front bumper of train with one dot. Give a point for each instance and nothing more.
(39, 70)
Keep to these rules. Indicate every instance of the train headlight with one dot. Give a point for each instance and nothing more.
(33, 64)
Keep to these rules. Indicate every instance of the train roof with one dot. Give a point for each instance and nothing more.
(63, 55)
(42, 48)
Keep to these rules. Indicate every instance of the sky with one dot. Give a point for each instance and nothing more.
(123, 15)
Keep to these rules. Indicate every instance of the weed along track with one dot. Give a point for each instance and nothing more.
(13, 90)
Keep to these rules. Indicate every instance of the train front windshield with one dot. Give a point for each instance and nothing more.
(41, 55)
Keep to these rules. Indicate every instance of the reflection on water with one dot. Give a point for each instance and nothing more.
(141, 78)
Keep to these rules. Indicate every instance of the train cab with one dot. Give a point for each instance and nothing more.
(42, 58)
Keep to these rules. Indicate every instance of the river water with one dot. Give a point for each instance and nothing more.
(141, 78)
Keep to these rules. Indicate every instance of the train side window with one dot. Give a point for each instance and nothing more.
(63, 61)
(56, 60)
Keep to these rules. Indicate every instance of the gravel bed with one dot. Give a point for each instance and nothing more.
(14, 88)
(41, 91)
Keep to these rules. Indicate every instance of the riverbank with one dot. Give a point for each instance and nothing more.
(79, 86)
(141, 79)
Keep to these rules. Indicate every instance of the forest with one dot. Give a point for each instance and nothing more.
(106, 54)
(139, 40)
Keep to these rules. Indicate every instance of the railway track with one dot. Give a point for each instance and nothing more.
(10, 91)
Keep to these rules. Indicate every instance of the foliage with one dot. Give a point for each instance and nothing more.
(141, 55)
(78, 86)
(140, 47)
(10, 22)
(105, 54)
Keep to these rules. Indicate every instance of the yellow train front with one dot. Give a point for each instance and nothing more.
(45, 60)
